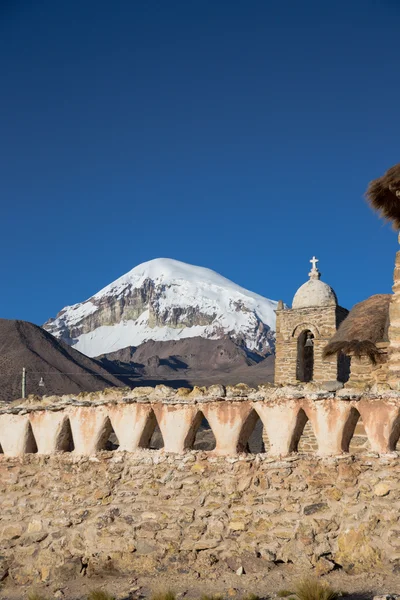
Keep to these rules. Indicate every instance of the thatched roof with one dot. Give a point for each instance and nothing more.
(366, 324)
(384, 195)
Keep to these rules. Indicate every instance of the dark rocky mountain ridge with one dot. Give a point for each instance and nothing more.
(188, 362)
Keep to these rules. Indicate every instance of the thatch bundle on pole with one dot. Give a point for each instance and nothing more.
(383, 194)
(366, 325)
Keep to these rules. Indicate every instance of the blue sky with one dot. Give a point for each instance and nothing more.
(236, 135)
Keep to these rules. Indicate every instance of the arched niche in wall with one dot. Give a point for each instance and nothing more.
(305, 356)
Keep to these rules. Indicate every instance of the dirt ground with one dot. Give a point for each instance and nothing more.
(193, 586)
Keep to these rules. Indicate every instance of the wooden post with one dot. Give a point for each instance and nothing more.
(24, 382)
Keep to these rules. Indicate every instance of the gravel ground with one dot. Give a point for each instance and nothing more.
(193, 586)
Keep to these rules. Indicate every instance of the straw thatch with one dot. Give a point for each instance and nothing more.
(366, 325)
(384, 195)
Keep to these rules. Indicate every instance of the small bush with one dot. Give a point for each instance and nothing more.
(164, 596)
(312, 589)
(100, 595)
(251, 597)
(36, 596)
(284, 593)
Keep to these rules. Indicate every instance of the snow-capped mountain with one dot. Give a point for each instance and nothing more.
(162, 300)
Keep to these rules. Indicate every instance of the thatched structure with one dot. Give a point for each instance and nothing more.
(366, 325)
(384, 195)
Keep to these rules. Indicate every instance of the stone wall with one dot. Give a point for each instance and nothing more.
(149, 512)
(72, 503)
(394, 328)
(363, 372)
(323, 323)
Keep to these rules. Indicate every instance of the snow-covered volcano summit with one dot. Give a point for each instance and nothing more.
(163, 300)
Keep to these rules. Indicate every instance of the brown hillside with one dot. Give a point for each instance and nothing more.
(64, 370)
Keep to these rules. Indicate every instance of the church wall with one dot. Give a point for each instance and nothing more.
(363, 372)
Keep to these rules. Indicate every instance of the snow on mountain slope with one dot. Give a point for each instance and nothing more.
(162, 300)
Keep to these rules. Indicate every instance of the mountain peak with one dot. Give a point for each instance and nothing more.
(169, 270)
(165, 299)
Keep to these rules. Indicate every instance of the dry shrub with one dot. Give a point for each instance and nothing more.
(312, 589)
(36, 596)
(168, 595)
(100, 595)
(383, 194)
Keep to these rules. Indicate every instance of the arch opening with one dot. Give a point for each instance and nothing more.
(102, 442)
(156, 440)
(151, 436)
(358, 441)
(251, 438)
(394, 435)
(112, 442)
(305, 356)
(308, 443)
(200, 435)
(349, 430)
(65, 440)
(31, 445)
(301, 422)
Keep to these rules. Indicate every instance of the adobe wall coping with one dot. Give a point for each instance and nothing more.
(161, 394)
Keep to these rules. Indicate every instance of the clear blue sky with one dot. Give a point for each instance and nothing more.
(238, 135)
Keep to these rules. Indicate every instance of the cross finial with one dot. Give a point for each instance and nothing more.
(314, 262)
(314, 273)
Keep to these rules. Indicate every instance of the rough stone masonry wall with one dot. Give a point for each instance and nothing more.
(394, 329)
(323, 323)
(120, 513)
(69, 507)
(364, 372)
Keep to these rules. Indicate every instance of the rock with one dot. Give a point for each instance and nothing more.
(216, 391)
(382, 489)
(12, 532)
(164, 391)
(253, 564)
(204, 544)
(237, 526)
(357, 552)
(332, 386)
(35, 526)
(240, 571)
(313, 508)
(143, 547)
(324, 566)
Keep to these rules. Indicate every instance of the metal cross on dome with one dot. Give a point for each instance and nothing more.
(314, 273)
(314, 262)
